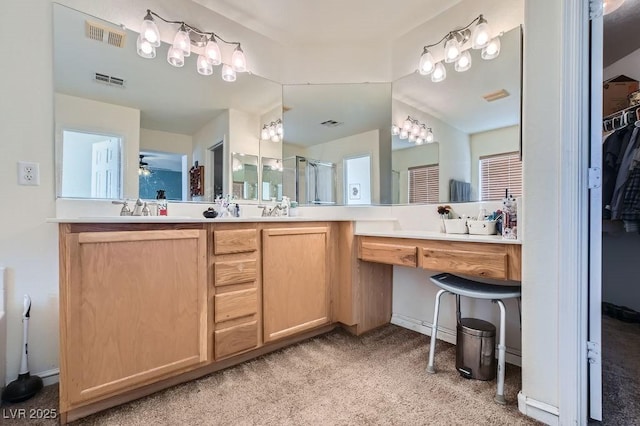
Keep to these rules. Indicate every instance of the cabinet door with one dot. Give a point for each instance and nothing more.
(295, 285)
(134, 309)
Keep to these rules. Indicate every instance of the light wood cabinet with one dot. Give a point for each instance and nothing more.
(133, 307)
(295, 280)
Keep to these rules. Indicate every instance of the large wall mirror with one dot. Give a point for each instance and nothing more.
(134, 125)
(337, 143)
(473, 115)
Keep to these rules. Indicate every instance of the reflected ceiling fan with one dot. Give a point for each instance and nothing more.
(143, 167)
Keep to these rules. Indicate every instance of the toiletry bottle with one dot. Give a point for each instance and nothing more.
(162, 202)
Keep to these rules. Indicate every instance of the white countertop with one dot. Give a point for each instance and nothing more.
(180, 219)
(430, 235)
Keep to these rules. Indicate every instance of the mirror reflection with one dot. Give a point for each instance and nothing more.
(151, 107)
(474, 116)
(328, 126)
(245, 176)
(272, 171)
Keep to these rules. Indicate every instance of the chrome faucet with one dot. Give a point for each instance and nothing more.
(125, 208)
(137, 209)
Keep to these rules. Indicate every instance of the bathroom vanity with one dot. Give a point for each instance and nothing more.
(147, 305)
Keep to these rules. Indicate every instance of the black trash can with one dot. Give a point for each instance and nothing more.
(476, 349)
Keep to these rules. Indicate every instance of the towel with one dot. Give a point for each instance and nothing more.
(459, 191)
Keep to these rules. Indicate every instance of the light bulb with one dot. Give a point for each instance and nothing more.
(182, 41)
(492, 50)
(464, 62)
(426, 64)
(149, 30)
(439, 73)
(408, 124)
(203, 65)
(175, 56)
(228, 74)
(429, 137)
(275, 138)
(415, 129)
(272, 131)
(404, 134)
(264, 134)
(419, 141)
(423, 132)
(481, 34)
(238, 61)
(451, 49)
(609, 6)
(146, 172)
(144, 48)
(412, 137)
(212, 52)
(395, 130)
(279, 128)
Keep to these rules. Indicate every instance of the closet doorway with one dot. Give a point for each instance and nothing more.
(614, 294)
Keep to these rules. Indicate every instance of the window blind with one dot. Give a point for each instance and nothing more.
(424, 184)
(498, 173)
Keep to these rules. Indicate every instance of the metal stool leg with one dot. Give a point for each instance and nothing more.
(502, 349)
(434, 331)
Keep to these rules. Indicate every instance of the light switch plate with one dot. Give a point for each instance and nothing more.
(28, 173)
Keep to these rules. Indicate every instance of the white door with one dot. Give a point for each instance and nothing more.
(357, 178)
(594, 343)
(105, 169)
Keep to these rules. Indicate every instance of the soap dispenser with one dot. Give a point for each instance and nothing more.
(162, 202)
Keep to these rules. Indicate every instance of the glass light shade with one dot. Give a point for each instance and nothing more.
(395, 130)
(149, 31)
(415, 129)
(451, 50)
(412, 137)
(464, 62)
(279, 129)
(272, 131)
(423, 132)
(480, 35)
(419, 141)
(275, 138)
(144, 48)
(404, 134)
(609, 6)
(264, 134)
(425, 67)
(407, 125)
(429, 137)
(175, 56)
(492, 50)
(228, 74)
(439, 73)
(238, 61)
(204, 67)
(212, 52)
(182, 41)
(146, 172)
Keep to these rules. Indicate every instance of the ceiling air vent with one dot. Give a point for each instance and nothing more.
(105, 34)
(331, 123)
(490, 97)
(109, 80)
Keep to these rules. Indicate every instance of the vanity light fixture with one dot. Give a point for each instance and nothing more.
(272, 131)
(187, 36)
(413, 131)
(455, 51)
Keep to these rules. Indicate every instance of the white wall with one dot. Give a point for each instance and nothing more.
(176, 143)
(496, 141)
(629, 66)
(28, 245)
(335, 151)
(215, 131)
(73, 113)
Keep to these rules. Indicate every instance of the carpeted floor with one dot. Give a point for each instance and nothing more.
(334, 379)
(337, 378)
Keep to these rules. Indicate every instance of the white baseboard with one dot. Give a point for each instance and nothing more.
(513, 356)
(545, 413)
(49, 377)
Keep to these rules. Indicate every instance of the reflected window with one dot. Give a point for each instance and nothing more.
(91, 165)
(500, 173)
(424, 184)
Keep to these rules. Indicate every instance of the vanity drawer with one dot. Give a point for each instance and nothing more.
(235, 272)
(392, 254)
(234, 339)
(235, 241)
(476, 263)
(235, 304)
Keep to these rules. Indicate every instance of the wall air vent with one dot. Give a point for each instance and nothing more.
(490, 97)
(331, 123)
(109, 80)
(102, 33)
